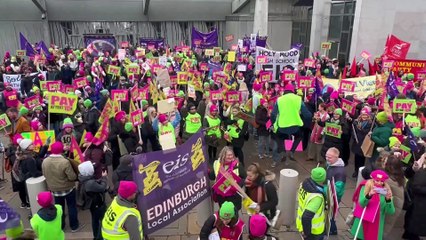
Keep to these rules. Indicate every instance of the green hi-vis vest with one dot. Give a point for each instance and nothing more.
(192, 123)
(318, 222)
(114, 219)
(214, 127)
(163, 130)
(289, 106)
(232, 130)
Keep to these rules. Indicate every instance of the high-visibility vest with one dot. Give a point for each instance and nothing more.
(289, 106)
(232, 130)
(214, 126)
(318, 222)
(216, 166)
(114, 219)
(192, 123)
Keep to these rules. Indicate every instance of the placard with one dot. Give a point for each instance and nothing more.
(388, 64)
(325, 45)
(166, 106)
(261, 60)
(81, 82)
(121, 95)
(136, 117)
(366, 55)
(421, 75)
(234, 47)
(54, 86)
(233, 96)
(121, 54)
(191, 91)
(241, 67)
(182, 78)
(32, 102)
(113, 70)
(4, 121)
(216, 95)
(204, 67)
(348, 106)
(347, 86)
(229, 37)
(162, 61)
(289, 75)
(231, 56)
(405, 154)
(310, 63)
(61, 103)
(132, 69)
(209, 52)
(404, 106)
(21, 53)
(39, 138)
(124, 44)
(305, 82)
(332, 129)
(265, 76)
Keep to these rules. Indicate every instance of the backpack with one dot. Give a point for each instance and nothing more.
(17, 171)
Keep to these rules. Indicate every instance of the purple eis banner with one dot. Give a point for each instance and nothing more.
(157, 42)
(171, 183)
(9, 218)
(100, 43)
(204, 40)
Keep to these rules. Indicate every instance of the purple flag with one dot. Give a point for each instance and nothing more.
(412, 139)
(100, 43)
(156, 42)
(297, 46)
(260, 42)
(171, 183)
(9, 218)
(42, 48)
(25, 45)
(204, 40)
(391, 86)
(317, 92)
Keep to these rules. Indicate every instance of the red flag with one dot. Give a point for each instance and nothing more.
(395, 48)
(345, 72)
(371, 69)
(76, 151)
(353, 68)
(102, 134)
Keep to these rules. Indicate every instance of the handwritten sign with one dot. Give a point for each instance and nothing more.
(182, 78)
(265, 76)
(366, 55)
(289, 75)
(347, 86)
(216, 95)
(309, 63)
(404, 106)
(229, 37)
(113, 70)
(305, 82)
(4, 121)
(133, 69)
(21, 53)
(348, 106)
(233, 96)
(325, 45)
(334, 130)
(120, 95)
(81, 82)
(32, 102)
(242, 67)
(388, 64)
(54, 86)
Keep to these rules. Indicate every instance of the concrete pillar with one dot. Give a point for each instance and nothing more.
(34, 187)
(287, 194)
(320, 24)
(261, 12)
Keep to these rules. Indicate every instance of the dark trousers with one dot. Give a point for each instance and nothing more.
(239, 154)
(359, 162)
(155, 144)
(72, 209)
(212, 154)
(97, 216)
(346, 149)
(23, 194)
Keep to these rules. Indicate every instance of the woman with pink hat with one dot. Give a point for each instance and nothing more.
(212, 123)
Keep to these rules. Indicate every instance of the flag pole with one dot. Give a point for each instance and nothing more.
(360, 222)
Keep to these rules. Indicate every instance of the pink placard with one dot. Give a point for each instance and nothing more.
(366, 55)
(309, 63)
(348, 106)
(233, 96)
(265, 76)
(261, 60)
(347, 86)
(32, 102)
(421, 75)
(204, 67)
(68, 88)
(216, 95)
(53, 86)
(289, 143)
(388, 64)
(120, 95)
(305, 82)
(234, 47)
(289, 75)
(80, 82)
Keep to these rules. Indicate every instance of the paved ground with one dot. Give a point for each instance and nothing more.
(192, 228)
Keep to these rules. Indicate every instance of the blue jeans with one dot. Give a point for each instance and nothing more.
(72, 209)
(97, 216)
(277, 149)
(263, 145)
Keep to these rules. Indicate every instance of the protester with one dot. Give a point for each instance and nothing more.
(193, 122)
(47, 221)
(237, 131)
(212, 123)
(330, 140)
(258, 227)
(317, 138)
(361, 127)
(124, 172)
(20, 123)
(261, 118)
(381, 134)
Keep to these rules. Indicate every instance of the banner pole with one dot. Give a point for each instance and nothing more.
(48, 120)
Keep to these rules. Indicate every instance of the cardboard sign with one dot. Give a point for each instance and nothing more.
(166, 106)
(43, 86)
(209, 52)
(62, 103)
(124, 44)
(347, 86)
(233, 97)
(204, 67)
(32, 102)
(366, 55)
(216, 95)
(120, 95)
(182, 78)
(156, 68)
(133, 69)
(404, 106)
(39, 138)
(234, 47)
(289, 75)
(54, 86)
(305, 82)
(162, 60)
(265, 76)
(332, 129)
(4, 121)
(21, 53)
(81, 82)
(309, 63)
(405, 154)
(113, 70)
(231, 56)
(217, 50)
(229, 38)
(325, 45)
(348, 106)
(191, 91)
(261, 60)
(121, 54)
(136, 117)
(388, 64)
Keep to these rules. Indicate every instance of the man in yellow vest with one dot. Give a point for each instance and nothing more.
(193, 122)
(122, 219)
(311, 215)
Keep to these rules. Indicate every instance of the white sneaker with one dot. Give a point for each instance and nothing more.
(275, 219)
(274, 164)
(260, 156)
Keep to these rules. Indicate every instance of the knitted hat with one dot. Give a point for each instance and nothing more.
(227, 210)
(16, 138)
(213, 108)
(88, 137)
(289, 87)
(365, 111)
(144, 102)
(86, 169)
(77, 92)
(371, 101)
(206, 84)
(379, 175)
(410, 76)
(257, 87)
(382, 117)
(162, 118)
(422, 134)
(23, 111)
(87, 103)
(393, 141)
(45, 199)
(318, 174)
(67, 123)
(181, 94)
(24, 143)
(57, 148)
(128, 126)
(262, 101)
(258, 226)
(299, 92)
(338, 111)
(326, 71)
(127, 189)
(34, 124)
(409, 86)
(334, 95)
(89, 78)
(104, 92)
(120, 115)
(87, 88)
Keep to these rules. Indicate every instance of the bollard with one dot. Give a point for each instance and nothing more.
(34, 187)
(287, 194)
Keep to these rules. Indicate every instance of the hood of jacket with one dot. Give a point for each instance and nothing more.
(338, 163)
(48, 214)
(310, 186)
(83, 179)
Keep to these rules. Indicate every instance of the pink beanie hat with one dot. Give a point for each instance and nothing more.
(213, 108)
(34, 124)
(16, 137)
(162, 118)
(257, 87)
(88, 137)
(289, 87)
(45, 199)
(334, 95)
(127, 189)
(258, 225)
(371, 101)
(120, 115)
(57, 148)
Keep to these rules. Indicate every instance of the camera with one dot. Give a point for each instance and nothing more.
(43, 16)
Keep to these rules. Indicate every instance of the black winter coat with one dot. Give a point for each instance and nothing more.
(91, 118)
(417, 187)
(361, 132)
(261, 117)
(330, 141)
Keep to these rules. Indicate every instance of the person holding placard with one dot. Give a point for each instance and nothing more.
(381, 134)
(213, 135)
(317, 136)
(237, 131)
(148, 133)
(333, 129)
(361, 127)
(193, 122)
